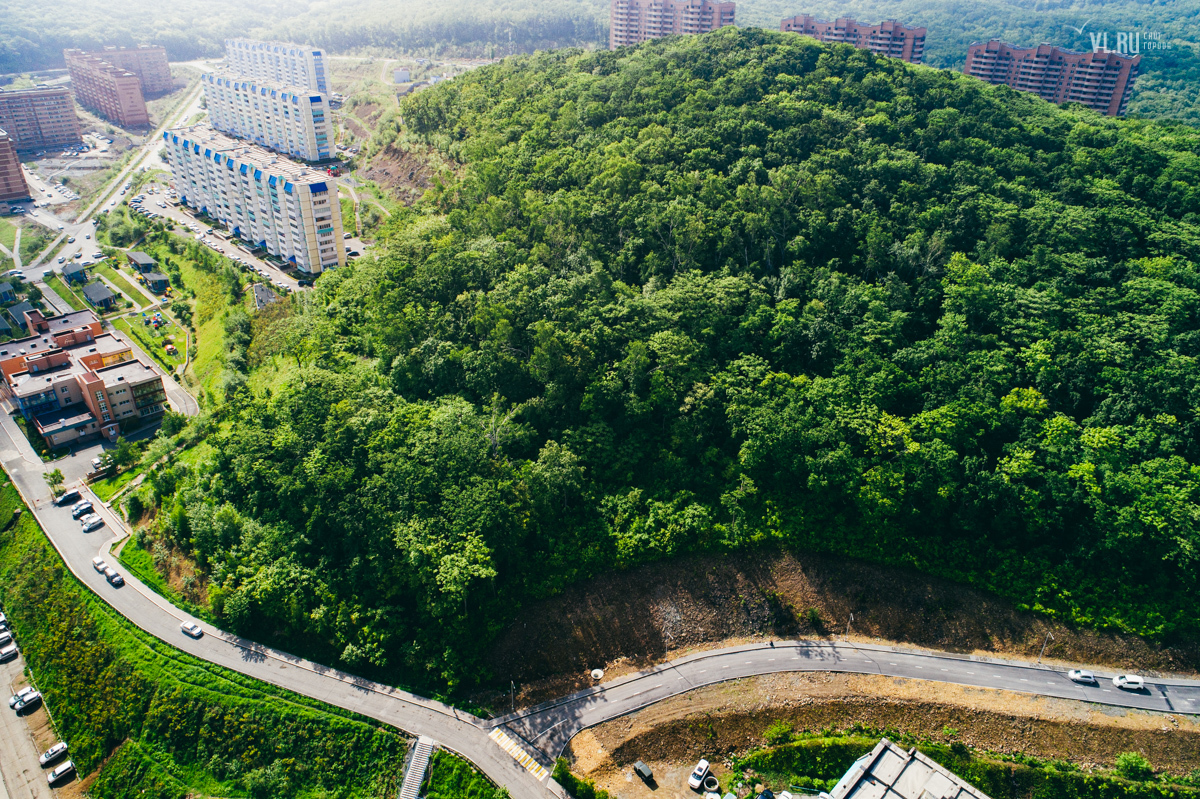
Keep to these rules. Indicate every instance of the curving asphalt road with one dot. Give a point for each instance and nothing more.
(544, 730)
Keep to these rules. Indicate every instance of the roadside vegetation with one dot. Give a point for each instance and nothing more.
(451, 777)
(178, 726)
(816, 761)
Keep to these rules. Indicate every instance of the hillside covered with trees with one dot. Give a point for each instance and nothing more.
(711, 294)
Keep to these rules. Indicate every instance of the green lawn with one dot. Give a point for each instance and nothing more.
(59, 287)
(152, 341)
(118, 280)
(34, 239)
(106, 488)
(8, 233)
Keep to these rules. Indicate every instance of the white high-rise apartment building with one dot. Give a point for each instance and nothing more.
(284, 63)
(288, 209)
(288, 119)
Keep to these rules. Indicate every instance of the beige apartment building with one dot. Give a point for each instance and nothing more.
(75, 382)
(12, 179)
(108, 90)
(288, 209)
(635, 21)
(39, 119)
(1102, 81)
(148, 62)
(888, 38)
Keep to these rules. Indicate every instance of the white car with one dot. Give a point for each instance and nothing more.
(1129, 682)
(1082, 676)
(65, 770)
(52, 754)
(698, 775)
(22, 695)
(93, 524)
(8, 653)
(192, 629)
(99, 565)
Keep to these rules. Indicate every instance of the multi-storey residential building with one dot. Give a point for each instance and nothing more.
(287, 119)
(39, 119)
(634, 21)
(284, 63)
(288, 209)
(148, 62)
(74, 381)
(12, 179)
(108, 90)
(1102, 81)
(888, 38)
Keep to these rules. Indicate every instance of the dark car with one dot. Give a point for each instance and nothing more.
(81, 509)
(114, 577)
(307, 283)
(67, 498)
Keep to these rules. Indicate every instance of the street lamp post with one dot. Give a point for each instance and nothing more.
(1049, 637)
(848, 623)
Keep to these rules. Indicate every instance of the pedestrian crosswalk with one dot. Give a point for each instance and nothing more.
(524, 758)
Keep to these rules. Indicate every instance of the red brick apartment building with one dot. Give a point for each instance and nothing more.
(888, 38)
(1101, 81)
(39, 119)
(110, 91)
(635, 21)
(75, 382)
(148, 62)
(12, 179)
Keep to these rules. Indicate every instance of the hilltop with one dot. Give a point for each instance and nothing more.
(708, 295)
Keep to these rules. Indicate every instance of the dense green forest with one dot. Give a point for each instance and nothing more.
(711, 294)
(34, 35)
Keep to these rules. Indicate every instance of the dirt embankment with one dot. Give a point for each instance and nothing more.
(405, 175)
(721, 720)
(627, 621)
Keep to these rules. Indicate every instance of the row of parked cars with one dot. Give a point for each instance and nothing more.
(82, 510)
(27, 699)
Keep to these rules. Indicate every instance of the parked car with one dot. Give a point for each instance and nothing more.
(304, 282)
(29, 700)
(1129, 682)
(62, 259)
(698, 775)
(81, 508)
(1082, 676)
(88, 517)
(3, 622)
(52, 754)
(6, 638)
(97, 464)
(99, 565)
(345, 235)
(192, 629)
(8, 653)
(643, 771)
(60, 772)
(24, 693)
(113, 576)
(94, 524)
(68, 497)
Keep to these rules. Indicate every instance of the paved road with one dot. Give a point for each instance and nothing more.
(23, 777)
(550, 726)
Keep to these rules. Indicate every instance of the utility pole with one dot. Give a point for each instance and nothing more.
(513, 688)
(847, 635)
(1048, 639)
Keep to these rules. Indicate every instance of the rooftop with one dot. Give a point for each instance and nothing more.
(132, 372)
(155, 276)
(5, 286)
(225, 77)
(64, 418)
(97, 292)
(204, 139)
(139, 257)
(889, 772)
(25, 383)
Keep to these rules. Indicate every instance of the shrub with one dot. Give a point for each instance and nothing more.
(778, 733)
(1133, 766)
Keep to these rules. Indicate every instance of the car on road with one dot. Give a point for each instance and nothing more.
(30, 699)
(1082, 676)
(87, 236)
(345, 235)
(94, 522)
(14, 272)
(1129, 682)
(24, 693)
(68, 497)
(60, 772)
(71, 240)
(114, 577)
(81, 508)
(8, 653)
(52, 754)
(698, 775)
(99, 565)
(192, 629)
(98, 256)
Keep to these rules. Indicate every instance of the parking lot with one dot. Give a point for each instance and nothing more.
(22, 739)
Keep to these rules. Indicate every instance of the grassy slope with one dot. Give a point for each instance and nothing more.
(192, 723)
(68, 296)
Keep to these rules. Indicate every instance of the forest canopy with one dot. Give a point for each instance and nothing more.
(717, 293)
